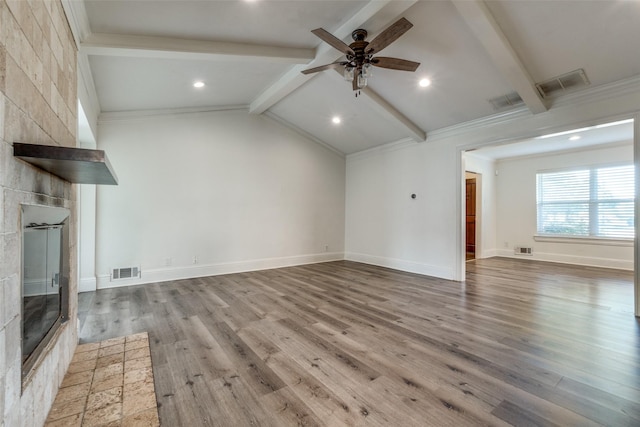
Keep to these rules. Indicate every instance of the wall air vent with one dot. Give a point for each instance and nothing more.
(507, 101)
(521, 250)
(563, 84)
(125, 273)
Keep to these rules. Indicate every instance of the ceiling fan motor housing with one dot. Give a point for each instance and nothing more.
(358, 47)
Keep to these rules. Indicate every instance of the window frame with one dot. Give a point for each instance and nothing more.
(593, 206)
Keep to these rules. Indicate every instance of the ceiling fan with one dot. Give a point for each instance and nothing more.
(360, 59)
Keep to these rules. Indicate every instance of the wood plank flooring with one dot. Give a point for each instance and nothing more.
(518, 343)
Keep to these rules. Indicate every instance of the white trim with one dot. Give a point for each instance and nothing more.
(282, 122)
(571, 259)
(636, 244)
(579, 240)
(87, 284)
(401, 264)
(627, 87)
(189, 272)
(78, 19)
(488, 253)
(382, 149)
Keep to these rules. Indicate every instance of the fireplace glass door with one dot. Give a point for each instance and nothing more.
(43, 278)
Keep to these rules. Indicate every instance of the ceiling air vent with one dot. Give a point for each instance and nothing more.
(507, 101)
(562, 84)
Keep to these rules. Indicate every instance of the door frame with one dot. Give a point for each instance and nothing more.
(478, 220)
(460, 270)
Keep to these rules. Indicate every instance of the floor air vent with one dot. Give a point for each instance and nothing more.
(562, 84)
(507, 101)
(125, 273)
(520, 250)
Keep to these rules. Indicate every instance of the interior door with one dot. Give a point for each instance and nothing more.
(471, 217)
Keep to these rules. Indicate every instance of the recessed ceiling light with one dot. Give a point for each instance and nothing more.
(336, 120)
(566, 132)
(621, 122)
(424, 82)
(600, 126)
(198, 84)
(574, 137)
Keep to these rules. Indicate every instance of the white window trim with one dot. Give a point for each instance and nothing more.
(583, 240)
(589, 240)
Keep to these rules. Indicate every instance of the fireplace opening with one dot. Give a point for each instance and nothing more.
(45, 279)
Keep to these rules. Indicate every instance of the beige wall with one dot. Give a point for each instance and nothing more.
(38, 104)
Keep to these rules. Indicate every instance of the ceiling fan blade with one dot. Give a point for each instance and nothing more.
(355, 81)
(333, 41)
(389, 35)
(395, 63)
(323, 67)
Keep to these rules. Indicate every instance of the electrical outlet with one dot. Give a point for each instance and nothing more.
(168, 262)
(506, 244)
(326, 248)
(195, 259)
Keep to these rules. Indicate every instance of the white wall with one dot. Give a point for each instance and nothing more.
(486, 206)
(236, 191)
(385, 227)
(516, 208)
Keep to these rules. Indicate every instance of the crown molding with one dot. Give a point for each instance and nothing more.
(78, 20)
(381, 149)
(609, 92)
(301, 132)
(626, 87)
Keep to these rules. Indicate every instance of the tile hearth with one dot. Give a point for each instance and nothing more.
(109, 383)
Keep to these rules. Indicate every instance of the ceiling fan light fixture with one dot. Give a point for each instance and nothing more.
(336, 120)
(348, 73)
(360, 54)
(198, 84)
(367, 70)
(362, 80)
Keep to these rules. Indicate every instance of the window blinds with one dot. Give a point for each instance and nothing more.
(595, 202)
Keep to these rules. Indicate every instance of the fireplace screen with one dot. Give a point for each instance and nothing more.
(45, 242)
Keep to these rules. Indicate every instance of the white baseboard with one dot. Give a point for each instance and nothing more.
(87, 284)
(403, 265)
(487, 253)
(619, 264)
(191, 271)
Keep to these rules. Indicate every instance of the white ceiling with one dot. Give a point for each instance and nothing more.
(608, 133)
(145, 55)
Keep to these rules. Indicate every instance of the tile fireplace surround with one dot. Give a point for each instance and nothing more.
(38, 105)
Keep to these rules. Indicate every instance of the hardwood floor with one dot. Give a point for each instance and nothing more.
(519, 343)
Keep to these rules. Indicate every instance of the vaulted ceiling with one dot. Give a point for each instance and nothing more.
(146, 55)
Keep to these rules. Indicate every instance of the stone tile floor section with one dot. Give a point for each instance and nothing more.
(109, 383)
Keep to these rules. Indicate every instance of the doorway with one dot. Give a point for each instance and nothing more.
(617, 136)
(470, 211)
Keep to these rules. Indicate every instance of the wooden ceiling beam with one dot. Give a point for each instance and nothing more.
(173, 48)
(478, 17)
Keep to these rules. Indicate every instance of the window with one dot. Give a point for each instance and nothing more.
(595, 202)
